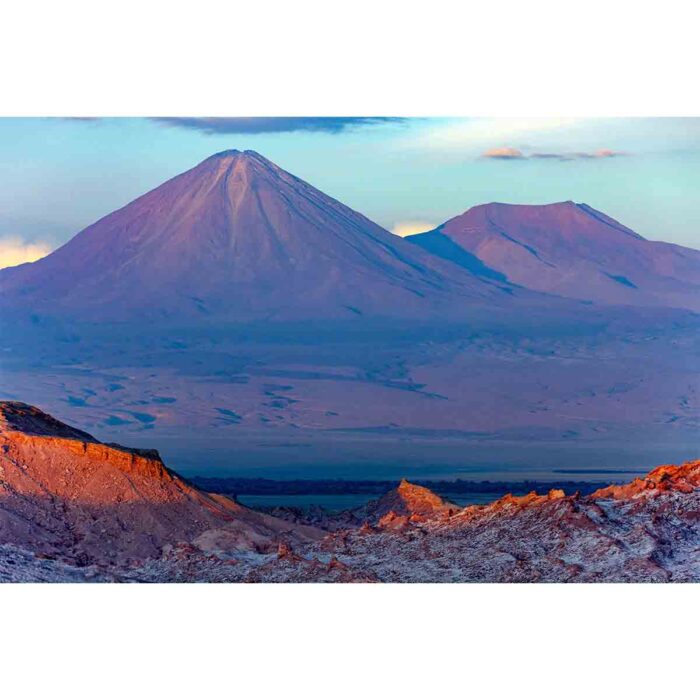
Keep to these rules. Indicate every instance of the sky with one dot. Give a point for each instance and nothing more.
(58, 175)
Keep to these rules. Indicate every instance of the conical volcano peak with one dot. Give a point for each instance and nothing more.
(242, 167)
(228, 153)
(234, 155)
(238, 237)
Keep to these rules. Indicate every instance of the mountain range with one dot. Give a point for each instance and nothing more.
(244, 320)
(237, 238)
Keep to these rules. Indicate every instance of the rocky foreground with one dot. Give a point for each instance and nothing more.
(75, 509)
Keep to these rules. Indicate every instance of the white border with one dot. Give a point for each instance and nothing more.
(352, 641)
(368, 58)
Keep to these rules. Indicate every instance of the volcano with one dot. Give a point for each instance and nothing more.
(238, 238)
(571, 250)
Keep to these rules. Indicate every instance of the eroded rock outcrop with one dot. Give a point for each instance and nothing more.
(648, 530)
(406, 503)
(65, 494)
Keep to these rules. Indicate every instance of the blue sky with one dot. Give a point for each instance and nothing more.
(59, 175)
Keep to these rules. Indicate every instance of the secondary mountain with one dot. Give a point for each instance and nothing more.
(238, 238)
(570, 250)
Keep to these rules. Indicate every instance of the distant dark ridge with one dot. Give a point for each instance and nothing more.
(634, 472)
(234, 486)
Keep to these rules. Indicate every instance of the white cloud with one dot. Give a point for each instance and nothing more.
(408, 228)
(15, 251)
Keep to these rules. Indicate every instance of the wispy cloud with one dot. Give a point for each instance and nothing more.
(508, 153)
(270, 125)
(408, 228)
(580, 155)
(15, 251)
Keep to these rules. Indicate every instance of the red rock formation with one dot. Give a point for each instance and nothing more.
(65, 494)
(684, 478)
(407, 501)
(648, 530)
